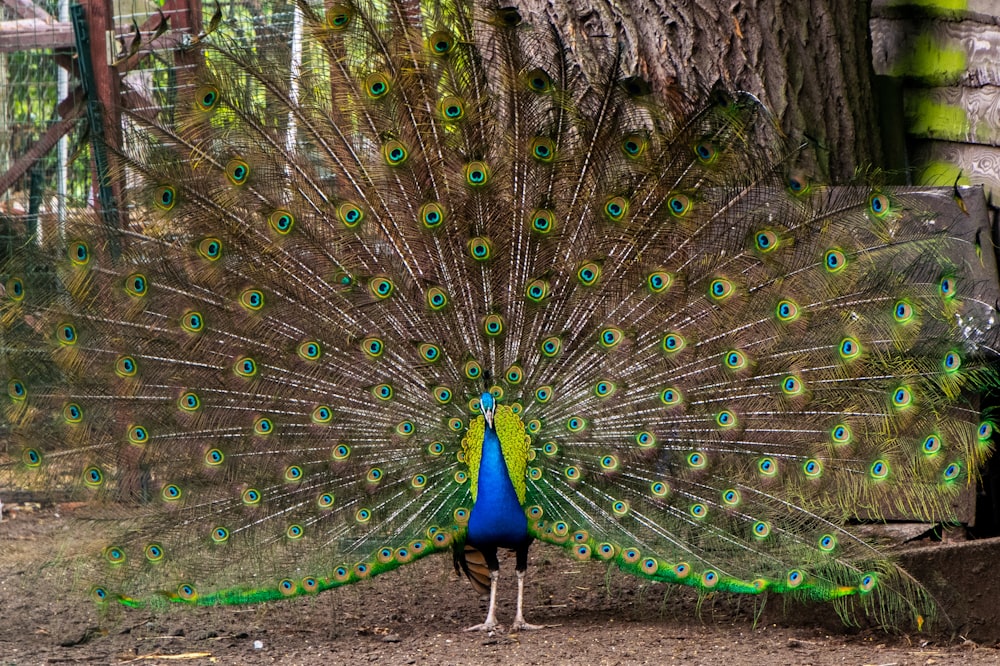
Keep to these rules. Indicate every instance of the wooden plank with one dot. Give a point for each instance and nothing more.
(32, 33)
(939, 53)
(29, 34)
(954, 113)
(171, 40)
(941, 162)
(126, 11)
(34, 29)
(26, 9)
(188, 15)
(39, 148)
(984, 11)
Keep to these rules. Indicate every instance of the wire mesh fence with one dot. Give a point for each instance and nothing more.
(35, 63)
(46, 166)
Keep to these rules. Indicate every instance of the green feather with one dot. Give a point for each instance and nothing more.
(704, 365)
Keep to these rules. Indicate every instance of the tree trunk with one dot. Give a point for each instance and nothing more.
(808, 61)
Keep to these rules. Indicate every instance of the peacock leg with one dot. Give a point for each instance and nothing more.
(521, 567)
(489, 554)
(491, 621)
(519, 623)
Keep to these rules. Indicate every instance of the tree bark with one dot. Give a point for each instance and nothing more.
(808, 61)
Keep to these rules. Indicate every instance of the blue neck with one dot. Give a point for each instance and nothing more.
(497, 516)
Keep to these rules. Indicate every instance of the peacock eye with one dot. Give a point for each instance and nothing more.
(376, 85)
(441, 272)
(539, 81)
(395, 153)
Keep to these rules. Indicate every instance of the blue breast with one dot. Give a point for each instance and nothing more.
(497, 517)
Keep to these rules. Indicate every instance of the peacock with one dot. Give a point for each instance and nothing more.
(427, 287)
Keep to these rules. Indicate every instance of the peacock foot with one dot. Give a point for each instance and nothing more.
(489, 625)
(521, 625)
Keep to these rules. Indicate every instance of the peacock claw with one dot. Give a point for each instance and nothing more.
(489, 626)
(521, 625)
(534, 305)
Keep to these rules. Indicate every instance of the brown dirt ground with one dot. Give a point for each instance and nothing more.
(415, 615)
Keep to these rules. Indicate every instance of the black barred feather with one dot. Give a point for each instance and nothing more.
(715, 363)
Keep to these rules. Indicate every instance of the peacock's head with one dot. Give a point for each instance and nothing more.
(487, 405)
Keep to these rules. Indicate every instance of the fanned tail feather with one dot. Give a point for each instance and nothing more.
(716, 363)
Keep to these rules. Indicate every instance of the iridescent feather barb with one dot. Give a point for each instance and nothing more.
(435, 291)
